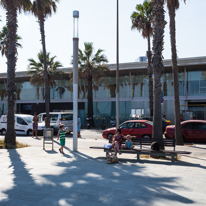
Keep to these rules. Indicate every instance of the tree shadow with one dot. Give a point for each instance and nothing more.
(198, 147)
(83, 180)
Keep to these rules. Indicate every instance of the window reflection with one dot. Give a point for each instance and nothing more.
(196, 81)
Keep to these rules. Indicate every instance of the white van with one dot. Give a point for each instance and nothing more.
(23, 124)
(57, 118)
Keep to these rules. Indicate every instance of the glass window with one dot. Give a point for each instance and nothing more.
(53, 117)
(140, 85)
(29, 119)
(137, 125)
(149, 122)
(196, 81)
(126, 125)
(67, 117)
(21, 121)
(202, 126)
(190, 126)
(40, 118)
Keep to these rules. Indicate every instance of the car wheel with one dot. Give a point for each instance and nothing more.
(109, 137)
(3, 131)
(146, 136)
(29, 132)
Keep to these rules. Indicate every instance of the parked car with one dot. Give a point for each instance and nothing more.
(165, 122)
(192, 131)
(57, 118)
(23, 124)
(138, 128)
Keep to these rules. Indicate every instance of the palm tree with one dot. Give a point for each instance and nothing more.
(12, 7)
(60, 86)
(158, 44)
(4, 41)
(172, 5)
(36, 70)
(42, 9)
(91, 66)
(142, 21)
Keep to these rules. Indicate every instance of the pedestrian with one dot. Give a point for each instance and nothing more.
(45, 120)
(61, 135)
(181, 118)
(164, 117)
(79, 127)
(117, 141)
(35, 124)
(128, 143)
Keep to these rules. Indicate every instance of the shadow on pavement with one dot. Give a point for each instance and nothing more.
(84, 180)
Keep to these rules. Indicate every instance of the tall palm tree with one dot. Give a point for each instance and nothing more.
(4, 41)
(172, 6)
(12, 7)
(42, 9)
(158, 45)
(91, 65)
(142, 21)
(36, 70)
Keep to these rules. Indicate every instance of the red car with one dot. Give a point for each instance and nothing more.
(192, 131)
(138, 128)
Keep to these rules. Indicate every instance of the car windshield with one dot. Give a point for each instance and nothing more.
(29, 119)
(148, 122)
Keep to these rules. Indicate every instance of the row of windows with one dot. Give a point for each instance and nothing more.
(134, 86)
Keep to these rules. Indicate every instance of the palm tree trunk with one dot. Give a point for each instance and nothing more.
(141, 89)
(178, 133)
(11, 15)
(46, 76)
(37, 92)
(133, 89)
(158, 36)
(90, 101)
(149, 68)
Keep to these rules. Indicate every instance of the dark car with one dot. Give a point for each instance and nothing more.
(192, 131)
(137, 128)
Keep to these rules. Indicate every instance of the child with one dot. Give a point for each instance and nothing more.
(128, 143)
(116, 144)
(61, 135)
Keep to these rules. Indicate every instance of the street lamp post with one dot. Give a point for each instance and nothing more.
(75, 78)
(117, 70)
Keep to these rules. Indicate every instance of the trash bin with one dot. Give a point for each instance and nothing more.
(48, 137)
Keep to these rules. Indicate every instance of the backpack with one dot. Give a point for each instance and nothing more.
(155, 146)
(111, 158)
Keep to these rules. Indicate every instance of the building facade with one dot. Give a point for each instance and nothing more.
(133, 87)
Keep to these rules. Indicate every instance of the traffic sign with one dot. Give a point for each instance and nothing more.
(162, 100)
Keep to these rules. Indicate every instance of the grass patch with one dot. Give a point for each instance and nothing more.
(145, 156)
(18, 145)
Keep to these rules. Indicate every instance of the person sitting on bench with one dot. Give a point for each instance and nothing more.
(117, 141)
(128, 143)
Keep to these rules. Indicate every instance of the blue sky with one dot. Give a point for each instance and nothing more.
(97, 24)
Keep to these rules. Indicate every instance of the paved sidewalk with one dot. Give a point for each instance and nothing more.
(32, 176)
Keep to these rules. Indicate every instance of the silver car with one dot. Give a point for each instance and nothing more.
(57, 118)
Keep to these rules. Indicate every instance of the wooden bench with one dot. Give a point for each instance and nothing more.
(147, 142)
